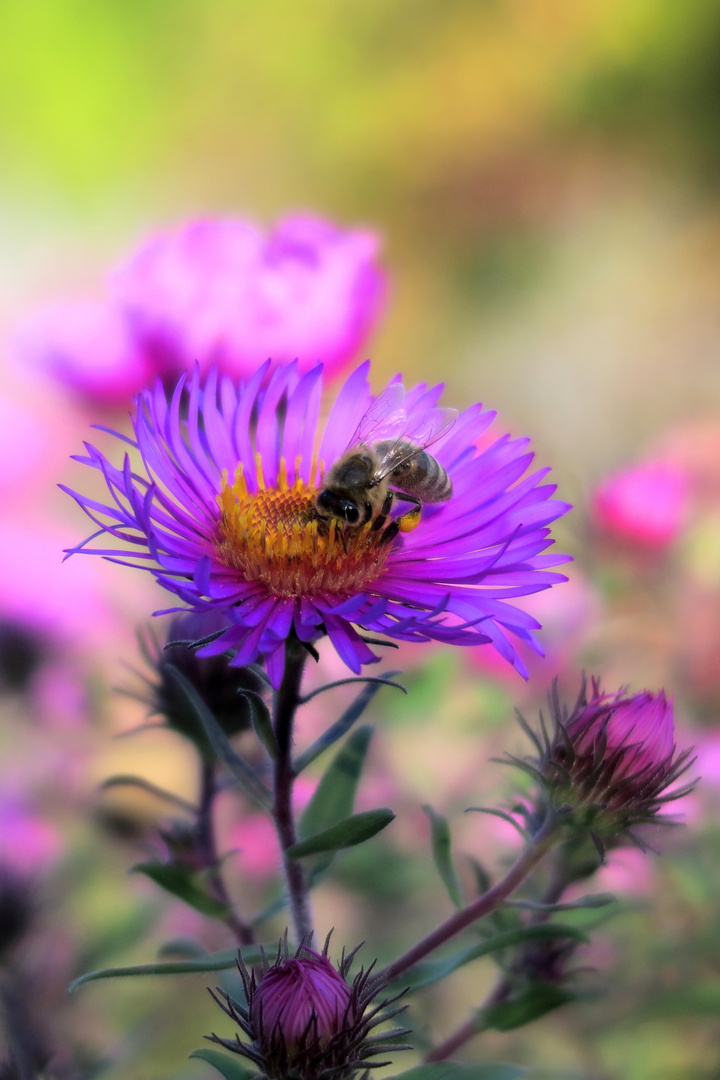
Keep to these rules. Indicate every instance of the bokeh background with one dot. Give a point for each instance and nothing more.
(545, 175)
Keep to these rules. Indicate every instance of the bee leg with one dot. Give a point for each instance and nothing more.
(390, 533)
(408, 521)
(384, 511)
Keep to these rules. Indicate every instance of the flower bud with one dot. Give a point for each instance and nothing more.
(609, 762)
(302, 1001)
(304, 1019)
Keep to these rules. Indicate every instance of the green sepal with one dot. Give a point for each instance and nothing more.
(432, 971)
(343, 834)
(219, 961)
(229, 1067)
(182, 882)
(454, 1070)
(442, 854)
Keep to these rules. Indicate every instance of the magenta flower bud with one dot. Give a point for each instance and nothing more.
(638, 730)
(645, 504)
(611, 762)
(304, 1000)
(303, 1018)
(222, 291)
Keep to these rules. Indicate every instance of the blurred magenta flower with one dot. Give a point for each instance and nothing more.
(225, 517)
(28, 843)
(645, 504)
(224, 292)
(88, 347)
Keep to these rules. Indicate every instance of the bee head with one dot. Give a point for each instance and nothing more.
(331, 505)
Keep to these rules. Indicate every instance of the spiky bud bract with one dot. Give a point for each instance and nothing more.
(303, 1019)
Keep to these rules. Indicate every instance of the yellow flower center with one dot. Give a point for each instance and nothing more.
(276, 536)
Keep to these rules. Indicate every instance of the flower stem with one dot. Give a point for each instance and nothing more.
(287, 699)
(460, 920)
(207, 845)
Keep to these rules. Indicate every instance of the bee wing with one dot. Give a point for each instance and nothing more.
(385, 418)
(435, 424)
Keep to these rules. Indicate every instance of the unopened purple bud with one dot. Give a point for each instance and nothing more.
(612, 759)
(637, 732)
(301, 1002)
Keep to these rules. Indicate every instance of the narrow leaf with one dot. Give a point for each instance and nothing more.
(336, 731)
(433, 971)
(592, 900)
(152, 789)
(352, 830)
(181, 882)
(230, 1068)
(538, 1000)
(453, 1070)
(501, 814)
(334, 797)
(442, 854)
(220, 743)
(261, 721)
(219, 961)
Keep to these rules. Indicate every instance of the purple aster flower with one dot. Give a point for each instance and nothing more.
(224, 292)
(304, 1018)
(220, 502)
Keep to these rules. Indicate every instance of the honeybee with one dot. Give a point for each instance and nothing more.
(382, 464)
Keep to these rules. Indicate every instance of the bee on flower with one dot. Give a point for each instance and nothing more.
(237, 500)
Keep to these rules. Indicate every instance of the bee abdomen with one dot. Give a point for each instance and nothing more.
(424, 477)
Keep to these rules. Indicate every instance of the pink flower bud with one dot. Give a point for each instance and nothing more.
(637, 732)
(301, 1002)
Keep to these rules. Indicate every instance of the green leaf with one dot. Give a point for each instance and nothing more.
(453, 1070)
(230, 1068)
(182, 882)
(219, 961)
(442, 854)
(334, 797)
(592, 900)
(261, 721)
(433, 971)
(352, 830)
(536, 1001)
(336, 731)
(220, 743)
(152, 789)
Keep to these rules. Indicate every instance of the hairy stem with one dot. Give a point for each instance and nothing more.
(475, 1024)
(484, 904)
(208, 847)
(287, 699)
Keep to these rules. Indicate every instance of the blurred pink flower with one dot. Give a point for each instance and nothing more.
(221, 291)
(87, 346)
(254, 839)
(27, 842)
(644, 504)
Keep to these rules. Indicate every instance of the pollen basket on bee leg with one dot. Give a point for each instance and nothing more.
(276, 537)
